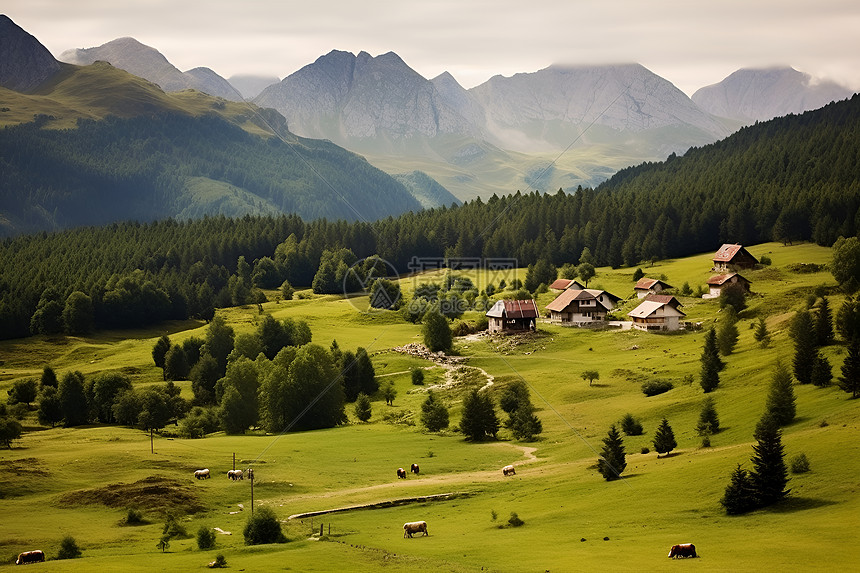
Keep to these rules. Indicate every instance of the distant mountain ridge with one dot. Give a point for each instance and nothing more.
(146, 62)
(750, 95)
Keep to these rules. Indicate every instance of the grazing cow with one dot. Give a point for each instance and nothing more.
(401, 473)
(683, 550)
(202, 474)
(235, 474)
(509, 471)
(30, 557)
(414, 527)
(414, 469)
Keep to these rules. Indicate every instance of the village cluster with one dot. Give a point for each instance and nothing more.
(584, 307)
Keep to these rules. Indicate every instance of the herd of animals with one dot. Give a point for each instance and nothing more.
(682, 550)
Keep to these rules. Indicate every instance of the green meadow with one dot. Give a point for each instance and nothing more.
(81, 481)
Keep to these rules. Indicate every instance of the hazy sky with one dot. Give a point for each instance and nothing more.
(691, 43)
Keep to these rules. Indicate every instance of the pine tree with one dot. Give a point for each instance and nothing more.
(740, 494)
(803, 333)
(824, 324)
(822, 373)
(770, 475)
(727, 336)
(780, 400)
(159, 352)
(479, 419)
(708, 419)
(761, 334)
(711, 350)
(434, 414)
(363, 407)
(850, 379)
(613, 458)
(710, 376)
(664, 438)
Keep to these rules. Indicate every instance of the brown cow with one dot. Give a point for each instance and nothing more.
(509, 471)
(401, 473)
(414, 527)
(683, 550)
(414, 469)
(30, 557)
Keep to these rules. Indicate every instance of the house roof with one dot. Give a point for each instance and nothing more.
(649, 307)
(664, 299)
(564, 284)
(513, 309)
(645, 284)
(564, 299)
(727, 252)
(719, 280)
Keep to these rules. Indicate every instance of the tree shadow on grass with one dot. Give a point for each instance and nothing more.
(799, 503)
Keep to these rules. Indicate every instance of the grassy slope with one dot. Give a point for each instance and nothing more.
(559, 496)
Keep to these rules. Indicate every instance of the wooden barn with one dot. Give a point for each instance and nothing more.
(733, 258)
(513, 316)
(717, 283)
(565, 284)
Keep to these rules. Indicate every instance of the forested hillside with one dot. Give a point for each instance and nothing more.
(794, 178)
(152, 167)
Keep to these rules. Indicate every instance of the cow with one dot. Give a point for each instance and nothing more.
(235, 474)
(509, 471)
(36, 556)
(414, 527)
(202, 474)
(414, 469)
(682, 550)
(401, 473)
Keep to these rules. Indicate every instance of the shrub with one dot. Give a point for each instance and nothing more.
(515, 520)
(134, 517)
(799, 464)
(172, 528)
(263, 527)
(631, 426)
(69, 548)
(417, 376)
(219, 563)
(657, 386)
(764, 260)
(205, 538)
(645, 450)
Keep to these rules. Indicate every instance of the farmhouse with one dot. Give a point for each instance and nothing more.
(732, 258)
(575, 307)
(657, 312)
(512, 316)
(647, 286)
(564, 284)
(717, 283)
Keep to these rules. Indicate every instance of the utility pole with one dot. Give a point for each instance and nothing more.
(251, 477)
(234, 460)
(151, 446)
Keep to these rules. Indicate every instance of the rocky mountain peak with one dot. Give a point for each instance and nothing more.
(24, 61)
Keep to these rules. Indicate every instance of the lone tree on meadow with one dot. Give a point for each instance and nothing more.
(770, 474)
(709, 422)
(727, 335)
(613, 458)
(780, 399)
(664, 438)
(761, 334)
(437, 332)
(434, 414)
(479, 420)
(363, 408)
(591, 376)
(711, 350)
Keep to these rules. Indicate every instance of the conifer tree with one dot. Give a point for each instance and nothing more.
(708, 419)
(740, 494)
(803, 333)
(850, 379)
(824, 324)
(780, 400)
(363, 408)
(479, 419)
(664, 438)
(434, 414)
(613, 458)
(159, 352)
(769, 475)
(822, 373)
(711, 350)
(727, 336)
(710, 375)
(761, 334)
(437, 332)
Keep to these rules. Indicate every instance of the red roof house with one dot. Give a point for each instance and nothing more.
(733, 258)
(647, 286)
(513, 315)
